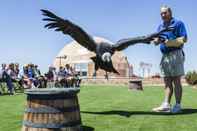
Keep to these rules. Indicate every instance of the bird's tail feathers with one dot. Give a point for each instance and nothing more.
(115, 71)
(93, 59)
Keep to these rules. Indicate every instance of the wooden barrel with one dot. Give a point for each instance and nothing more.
(135, 84)
(54, 109)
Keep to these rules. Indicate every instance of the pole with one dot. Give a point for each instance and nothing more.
(60, 59)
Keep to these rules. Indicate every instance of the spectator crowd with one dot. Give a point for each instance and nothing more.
(30, 76)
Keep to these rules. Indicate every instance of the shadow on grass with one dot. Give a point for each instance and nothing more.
(87, 128)
(8, 94)
(185, 111)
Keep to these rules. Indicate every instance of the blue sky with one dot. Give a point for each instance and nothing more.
(23, 38)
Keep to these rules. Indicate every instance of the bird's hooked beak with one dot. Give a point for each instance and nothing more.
(106, 57)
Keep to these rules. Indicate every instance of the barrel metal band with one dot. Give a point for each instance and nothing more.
(50, 97)
(52, 125)
(51, 109)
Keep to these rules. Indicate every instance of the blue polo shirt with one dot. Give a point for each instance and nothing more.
(178, 31)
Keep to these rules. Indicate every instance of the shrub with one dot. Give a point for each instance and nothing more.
(191, 77)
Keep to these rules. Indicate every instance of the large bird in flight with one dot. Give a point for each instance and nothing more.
(103, 50)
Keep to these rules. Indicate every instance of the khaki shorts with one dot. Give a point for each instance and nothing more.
(172, 64)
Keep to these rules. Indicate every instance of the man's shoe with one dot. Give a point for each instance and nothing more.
(176, 108)
(164, 107)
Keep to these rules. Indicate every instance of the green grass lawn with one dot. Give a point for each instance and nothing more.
(108, 108)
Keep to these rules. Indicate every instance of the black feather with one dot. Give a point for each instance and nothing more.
(48, 19)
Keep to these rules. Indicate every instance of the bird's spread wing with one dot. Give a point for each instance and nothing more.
(69, 28)
(159, 34)
(124, 43)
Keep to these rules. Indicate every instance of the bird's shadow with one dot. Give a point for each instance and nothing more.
(87, 128)
(83, 128)
(185, 111)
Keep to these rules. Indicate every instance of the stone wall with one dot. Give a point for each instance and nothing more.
(125, 81)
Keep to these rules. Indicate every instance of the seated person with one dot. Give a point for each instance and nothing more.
(5, 77)
(51, 77)
(27, 77)
(61, 77)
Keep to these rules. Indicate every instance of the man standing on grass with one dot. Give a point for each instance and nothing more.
(172, 62)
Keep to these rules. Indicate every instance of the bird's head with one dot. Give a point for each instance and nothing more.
(106, 57)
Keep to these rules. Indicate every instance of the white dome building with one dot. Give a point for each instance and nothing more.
(79, 58)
